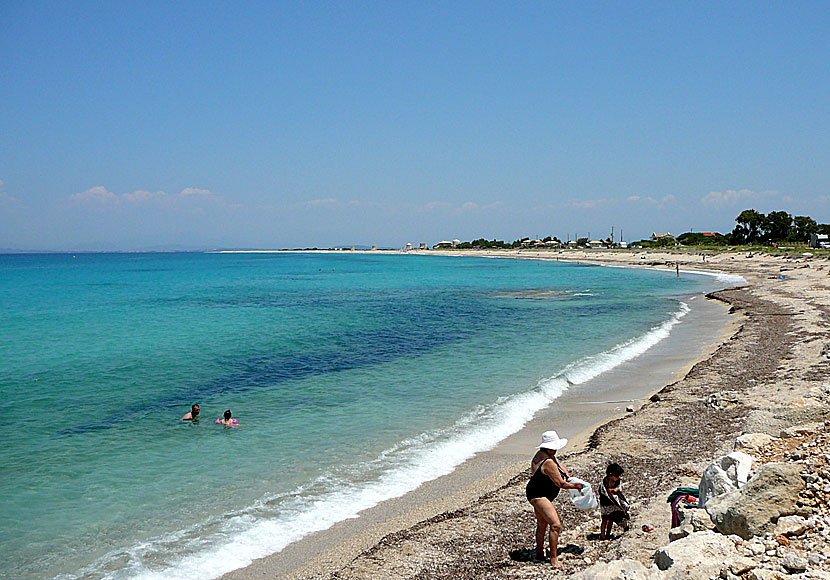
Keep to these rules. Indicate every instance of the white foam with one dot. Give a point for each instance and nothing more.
(234, 540)
(727, 280)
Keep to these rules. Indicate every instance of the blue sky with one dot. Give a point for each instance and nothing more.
(136, 125)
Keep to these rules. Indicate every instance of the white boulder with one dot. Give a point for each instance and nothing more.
(724, 475)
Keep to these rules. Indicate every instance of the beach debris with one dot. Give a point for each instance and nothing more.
(647, 528)
(724, 475)
(721, 400)
(753, 510)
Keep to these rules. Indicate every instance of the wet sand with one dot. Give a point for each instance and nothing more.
(475, 522)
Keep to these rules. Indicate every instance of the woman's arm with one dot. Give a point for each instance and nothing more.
(551, 469)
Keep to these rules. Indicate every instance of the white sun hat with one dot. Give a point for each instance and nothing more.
(550, 440)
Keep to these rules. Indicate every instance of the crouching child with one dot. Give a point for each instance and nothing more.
(613, 505)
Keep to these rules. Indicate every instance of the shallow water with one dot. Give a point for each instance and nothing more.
(345, 371)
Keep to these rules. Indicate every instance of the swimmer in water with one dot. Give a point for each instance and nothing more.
(193, 415)
(226, 419)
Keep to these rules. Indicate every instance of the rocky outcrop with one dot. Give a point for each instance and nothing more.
(618, 570)
(702, 555)
(691, 520)
(751, 443)
(771, 493)
(724, 475)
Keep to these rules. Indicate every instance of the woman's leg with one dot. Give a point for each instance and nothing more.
(541, 531)
(547, 513)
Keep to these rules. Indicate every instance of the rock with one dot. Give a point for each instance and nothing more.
(799, 430)
(617, 570)
(724, 475)
(690, 520)
(700, 520)
(791, 526)
(629, 409)
(678, 533)
(771, 493)
(701, 555)
(793, 563)
(757, 548)
(752, 443)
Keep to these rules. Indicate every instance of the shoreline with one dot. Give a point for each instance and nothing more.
(324, 553)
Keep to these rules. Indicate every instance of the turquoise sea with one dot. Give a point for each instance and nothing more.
(354, 379)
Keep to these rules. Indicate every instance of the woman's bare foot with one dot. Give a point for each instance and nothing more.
(556, 564)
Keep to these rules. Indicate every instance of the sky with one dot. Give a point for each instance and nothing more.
(177, 125)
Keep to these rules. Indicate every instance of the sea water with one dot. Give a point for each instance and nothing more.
(354, 378)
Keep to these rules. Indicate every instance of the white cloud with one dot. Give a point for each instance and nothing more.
(732, 197)
(96, 195)
(662, 202)
(326, 202)
(436, 205)
(100, 196)
(194, 191)
(141, 196)
(587, 203)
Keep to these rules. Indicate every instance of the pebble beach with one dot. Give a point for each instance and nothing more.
(765, 378)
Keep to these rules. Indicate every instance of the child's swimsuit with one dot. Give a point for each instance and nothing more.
(540, 485)
(610, 507)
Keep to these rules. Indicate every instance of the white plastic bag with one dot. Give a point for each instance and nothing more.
(585, 498)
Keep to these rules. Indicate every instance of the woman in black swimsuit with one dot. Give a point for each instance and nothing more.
(544, 485)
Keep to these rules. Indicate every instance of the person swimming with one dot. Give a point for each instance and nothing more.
(193, 415)
(226, 419)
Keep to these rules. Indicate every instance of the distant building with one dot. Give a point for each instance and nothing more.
(667, 237)
(596, 244)
(443, 244)
(623, 244)
(710, 234)
(408, 247)
(374, 247)
(819, 241)
(422, 246)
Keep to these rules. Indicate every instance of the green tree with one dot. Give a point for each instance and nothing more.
(751, 228)
(779, 226)
(803, 226)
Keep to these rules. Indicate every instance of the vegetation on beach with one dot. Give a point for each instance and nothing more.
(752, 229)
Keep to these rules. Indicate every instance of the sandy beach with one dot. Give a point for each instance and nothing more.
(766, 358)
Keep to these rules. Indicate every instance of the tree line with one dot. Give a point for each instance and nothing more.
(753, 227)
